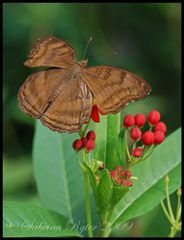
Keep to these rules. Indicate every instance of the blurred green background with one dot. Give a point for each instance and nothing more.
(147, 38)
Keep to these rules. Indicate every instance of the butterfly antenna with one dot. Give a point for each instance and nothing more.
(85, 50)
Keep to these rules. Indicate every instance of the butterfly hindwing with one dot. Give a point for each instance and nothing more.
(35, 93)
(71, 109)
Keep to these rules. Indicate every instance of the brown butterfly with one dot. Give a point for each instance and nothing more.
(62, 97)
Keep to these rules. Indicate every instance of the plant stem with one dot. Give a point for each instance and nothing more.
(178, 210)
(166, 213)
(104, 231)
(89, 159)
(134, 145)
(178, 213)
(173, 232)
(147, 152)
(80, 133)
(86, 127)
(87, 203)
(169, 203)
(87, 199)
(126, 144)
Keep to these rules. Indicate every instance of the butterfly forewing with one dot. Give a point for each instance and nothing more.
(51, 52)
(113, 88)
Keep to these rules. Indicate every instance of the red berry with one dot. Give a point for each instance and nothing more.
(129, 183)
(118, 168)
(114, 174)
(140, 120)
(91, 135)
(135, 133)
(84, 140)
(123, 182)
(123, 173)
(119, 181)
(94, 114)
(137, 152)
(159, 137)
(128, 173)
(153, 117)
(128, 121)
(77, 145)
(148, 138)
(89, 145)
(160, 127)
(126, 183)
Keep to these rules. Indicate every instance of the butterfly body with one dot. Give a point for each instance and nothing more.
(62, 97)
(74, 71)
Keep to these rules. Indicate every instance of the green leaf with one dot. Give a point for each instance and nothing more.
(150, 185)
(113, 129)
(118, 193)
(101, 138)
(104, 193)
(91, 178)
(25, 220)
(57, 172)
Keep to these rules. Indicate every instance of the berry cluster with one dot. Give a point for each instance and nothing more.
(149, 137)
(121, 177)
(88, 142)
